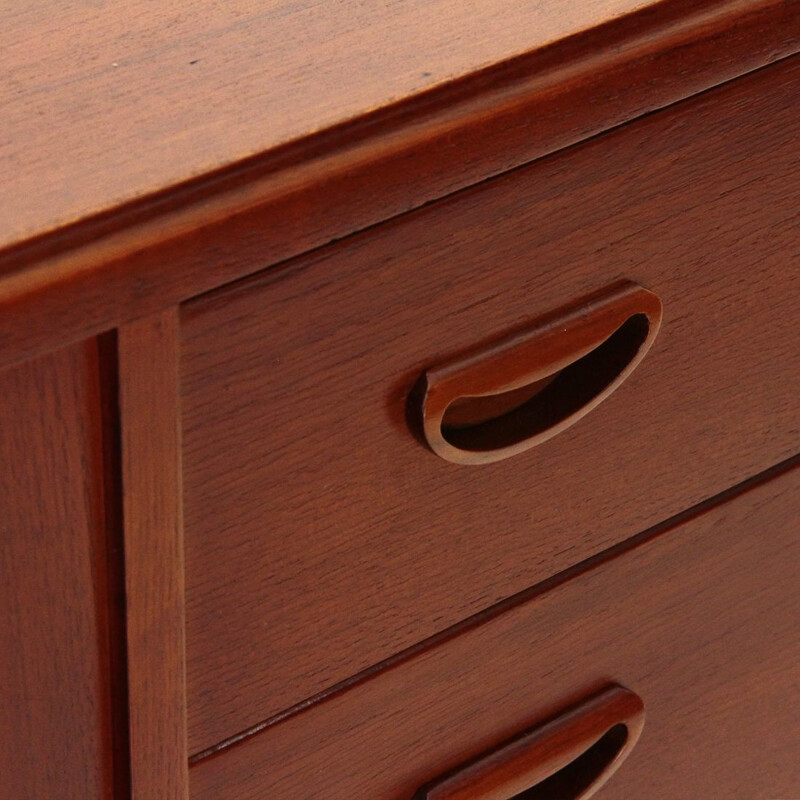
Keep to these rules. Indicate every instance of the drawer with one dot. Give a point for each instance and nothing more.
(699, 619)
(322, 537)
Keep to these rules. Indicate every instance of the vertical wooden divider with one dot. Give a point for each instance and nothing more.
(154, 578)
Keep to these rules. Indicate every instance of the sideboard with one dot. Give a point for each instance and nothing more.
(400, 401)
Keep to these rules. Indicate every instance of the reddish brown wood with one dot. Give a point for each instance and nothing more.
(136, 175)
(152, 508)
(321, 538)
(574, 356)
(55, 660)
(288, 199)
(700, 619)
(570, 757)
(282, 92)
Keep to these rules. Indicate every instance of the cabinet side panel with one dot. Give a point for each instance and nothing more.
(55, 717)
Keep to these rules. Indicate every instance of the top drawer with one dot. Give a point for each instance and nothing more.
(322, 537)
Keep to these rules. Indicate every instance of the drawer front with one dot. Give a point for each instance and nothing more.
(322, 537)
(700, 620)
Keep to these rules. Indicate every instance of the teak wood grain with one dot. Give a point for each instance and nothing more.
(288, 199)
(154, 578)
(152, 153)
(699, 619)
(280, 71)
(321, 537)
(55, 660)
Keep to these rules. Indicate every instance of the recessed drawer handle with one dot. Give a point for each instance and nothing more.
(517, 392)
(567, 758)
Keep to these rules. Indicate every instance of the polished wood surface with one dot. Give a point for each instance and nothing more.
(699, 619)
(153, 530)
(569, 757)
(280, 70)
(286, 200)
(55, 644)
(321, 537)
(233, 236)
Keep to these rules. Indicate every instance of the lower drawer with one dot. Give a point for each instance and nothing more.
(700, 619)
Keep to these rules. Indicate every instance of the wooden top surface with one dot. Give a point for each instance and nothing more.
(105, 102)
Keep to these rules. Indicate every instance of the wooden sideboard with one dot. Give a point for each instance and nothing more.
(400, 401)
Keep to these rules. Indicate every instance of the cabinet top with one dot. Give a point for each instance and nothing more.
(103, 103)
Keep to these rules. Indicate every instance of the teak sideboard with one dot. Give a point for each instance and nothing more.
(400, 401)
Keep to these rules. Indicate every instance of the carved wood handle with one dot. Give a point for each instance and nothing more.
(567, 758)
(515, 393)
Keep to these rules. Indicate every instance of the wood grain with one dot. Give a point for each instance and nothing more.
(150, 431)
(699, 619)
(321, 537)
(287, 199)
(55, 660)
(279, 70)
